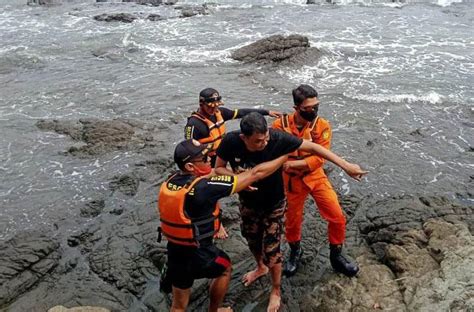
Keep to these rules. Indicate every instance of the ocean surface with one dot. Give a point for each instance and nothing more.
(396, 81)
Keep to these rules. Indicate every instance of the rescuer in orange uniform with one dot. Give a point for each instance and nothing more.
(190, 216)
(304, 175)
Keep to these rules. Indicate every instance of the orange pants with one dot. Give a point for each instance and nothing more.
(328, 205)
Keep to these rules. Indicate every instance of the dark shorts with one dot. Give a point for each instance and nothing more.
(185, 264)
(263, 230)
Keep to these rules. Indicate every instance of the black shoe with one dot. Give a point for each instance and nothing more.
(291, 264)
(340, 264)
(165, 281)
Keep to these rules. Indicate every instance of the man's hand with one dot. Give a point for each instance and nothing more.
(355, 171)
(274, 114)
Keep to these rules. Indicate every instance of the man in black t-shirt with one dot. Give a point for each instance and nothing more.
(207, 124)
(263, 204)
(189, 216)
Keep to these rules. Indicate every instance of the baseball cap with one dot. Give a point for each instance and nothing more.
(189, 149)
(211, 97)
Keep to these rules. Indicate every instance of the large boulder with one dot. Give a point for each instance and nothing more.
(414, 254)
(189, 11)
(116, 17)
(275, 48)
(101, 136)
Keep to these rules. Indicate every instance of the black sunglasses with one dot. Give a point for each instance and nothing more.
(212, 99)
(203, 158)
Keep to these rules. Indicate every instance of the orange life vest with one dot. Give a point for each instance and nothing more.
(306, 135)
(175, 224)
(216, 130)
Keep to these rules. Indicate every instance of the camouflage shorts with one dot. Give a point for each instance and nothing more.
(263, 231)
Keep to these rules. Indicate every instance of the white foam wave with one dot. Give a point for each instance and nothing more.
(445, 3)
(431, 97)
(435, 178)
(7, 49)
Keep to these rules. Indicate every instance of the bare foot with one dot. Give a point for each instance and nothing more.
(228, 309)
(222, 233)
(252, 276)
(275, 301)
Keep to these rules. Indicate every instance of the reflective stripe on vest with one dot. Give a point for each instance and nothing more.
(285, 122)
(175, 224)
(216, 130)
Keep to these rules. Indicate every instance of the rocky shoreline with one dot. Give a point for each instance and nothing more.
(415, 251)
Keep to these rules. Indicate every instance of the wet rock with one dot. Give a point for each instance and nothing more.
(350, 204)
(153, 2)
(93, 208)
(74, 289)
(101, 136)
(127, 184)
(86, 238)
(371, 143)
(153, 298)
(78, 309)
(188, 11)
(231, 213)
(106, 133)
(374, 286)
(43, 2)
(155, 17)
(67, 127)
(149, 2)
(117, 211)
(25, 260)
(116, 17)
(414, 250)
(417, 132)
(274, 48)
(148, 170)
(122, 257)
(111, 53)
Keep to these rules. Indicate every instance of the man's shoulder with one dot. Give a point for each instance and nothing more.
(323, 122)
(224, 110)
(277, 123)
(194, 120)
(279, 134)
(322, 125)
(178, 180)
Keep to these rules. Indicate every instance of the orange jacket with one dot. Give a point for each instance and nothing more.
(216, 130)
(175, 224)
(317, 131)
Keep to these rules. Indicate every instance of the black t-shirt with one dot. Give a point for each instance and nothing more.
(202, 198)
(270, 190)
(197, 129)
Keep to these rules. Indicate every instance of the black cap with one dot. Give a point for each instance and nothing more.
(189, 149)
(210, 97)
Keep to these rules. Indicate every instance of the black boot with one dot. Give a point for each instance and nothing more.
(165, 281)
(291, 264)
(340, 264)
